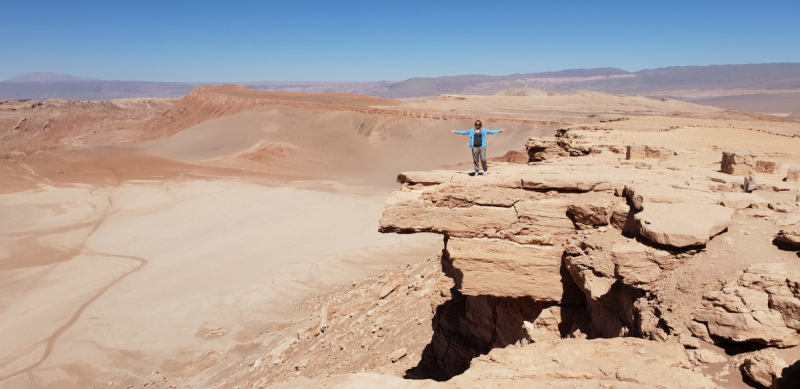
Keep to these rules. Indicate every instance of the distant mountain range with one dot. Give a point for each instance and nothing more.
(667, 81)
(47, 77)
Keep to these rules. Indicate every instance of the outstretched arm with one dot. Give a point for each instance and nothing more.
(494, 131)
(460, 132)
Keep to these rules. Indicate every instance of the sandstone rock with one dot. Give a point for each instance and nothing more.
(569, 363)
(640, 195)
(542, 149)
(622, 218)
(594, 213)
(282, 347)
(594, 275)
(790, 236)
(760, 306)
(328, 312)
(737, 163)
(465, 194)
(635, 152)
(793, 174)
(397, 355)
(309, 331)
(701, 357)
(688, 341)
(742, 200)
(767, 166)
(391, 284)
(407, 212)
(508, 269)
(540, 221)
(661, 153)
(624, 363)
(763, 367)
(545, 327)
(700, 331)
(642, 152)
(566, 181)
(634, 264)
(682, 225)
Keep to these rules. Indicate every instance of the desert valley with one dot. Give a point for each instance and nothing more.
(242, 238)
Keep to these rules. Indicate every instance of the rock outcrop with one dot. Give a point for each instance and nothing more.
(565, 143)
(790, 235)
(738, 163)
(793, 173)
(643, 151)
(762, 305)
(573, 249)
(569, 363)
(682, 224)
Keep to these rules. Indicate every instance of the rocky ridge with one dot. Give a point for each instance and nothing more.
(599, 241)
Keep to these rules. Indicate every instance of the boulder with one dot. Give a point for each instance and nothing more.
(634, 264)
(391, 284)
(704, 357)
(506, 269)
(593, 213)
(593, 274)
(763, 367)
(767, 166)
(682, 224)
(790, 236)
(635, 152)
(793, 174)
(760, 306)
(737, 163)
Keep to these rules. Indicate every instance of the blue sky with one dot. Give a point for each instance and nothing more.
(216, 41)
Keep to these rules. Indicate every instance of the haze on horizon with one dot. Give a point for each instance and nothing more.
(363, 41)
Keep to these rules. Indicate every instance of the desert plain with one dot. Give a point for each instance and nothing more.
(243, 238)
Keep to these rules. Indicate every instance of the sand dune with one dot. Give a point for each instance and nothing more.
(349, 146)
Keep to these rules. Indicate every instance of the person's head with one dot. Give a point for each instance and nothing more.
(478, 124)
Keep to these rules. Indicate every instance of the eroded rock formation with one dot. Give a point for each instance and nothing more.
(575, 250)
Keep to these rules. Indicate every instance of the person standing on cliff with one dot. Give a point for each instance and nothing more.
(477, 142)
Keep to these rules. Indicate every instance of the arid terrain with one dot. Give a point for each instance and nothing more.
(237, 238)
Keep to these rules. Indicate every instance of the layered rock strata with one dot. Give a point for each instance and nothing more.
(762, 305)
(575, 249)
(569, 363)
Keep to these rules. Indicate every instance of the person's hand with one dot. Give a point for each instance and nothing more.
(501, 130)
(453, 131)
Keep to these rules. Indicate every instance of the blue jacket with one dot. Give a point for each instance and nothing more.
(471, 133)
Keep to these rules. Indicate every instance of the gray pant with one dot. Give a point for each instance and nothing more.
(479, 153)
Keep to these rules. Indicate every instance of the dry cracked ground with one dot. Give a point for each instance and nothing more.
(236, 238)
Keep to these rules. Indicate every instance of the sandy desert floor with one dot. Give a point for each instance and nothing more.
(142, 242)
